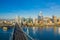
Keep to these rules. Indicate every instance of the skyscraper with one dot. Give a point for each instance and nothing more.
(40, 16)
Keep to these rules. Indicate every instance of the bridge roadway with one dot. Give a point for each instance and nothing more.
(18, 34)
(14, 33)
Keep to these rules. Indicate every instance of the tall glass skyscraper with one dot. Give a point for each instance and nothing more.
(40, 16)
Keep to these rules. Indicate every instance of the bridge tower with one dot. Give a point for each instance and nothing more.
(17, 19)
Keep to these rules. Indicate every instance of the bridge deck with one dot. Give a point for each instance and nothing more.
(18, 34)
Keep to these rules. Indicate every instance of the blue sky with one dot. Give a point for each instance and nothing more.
(26, 8)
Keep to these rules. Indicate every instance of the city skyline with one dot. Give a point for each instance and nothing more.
(26, 8)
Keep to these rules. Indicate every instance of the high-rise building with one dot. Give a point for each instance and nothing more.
(54, 19)
(40, 16)
(35, 20)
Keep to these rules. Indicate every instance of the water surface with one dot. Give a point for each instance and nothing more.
(6, 35)
(43, 33)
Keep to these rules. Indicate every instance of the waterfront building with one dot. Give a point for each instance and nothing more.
(36, 21)
(23, 19)
(24, 23)
(58, 21)
(45, 20)
(29, 20)
(54, 19)
(49, 20)
(33, 20)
